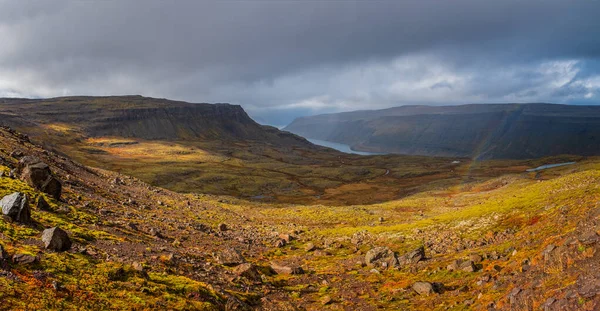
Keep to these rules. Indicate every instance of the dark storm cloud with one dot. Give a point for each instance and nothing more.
(280, 59)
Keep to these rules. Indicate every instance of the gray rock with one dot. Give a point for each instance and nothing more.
(16, 207)
(413, 256)
(248, 271)
(454, 265)
(381, 256)
(310, 247)
(56, 239)
(24, 259)
(230, 257)
(279, 243)
(423, 288)
(38, 175)
(287, 269)
(42, 204)
(468, 266)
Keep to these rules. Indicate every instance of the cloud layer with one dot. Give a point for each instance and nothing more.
(289, 58)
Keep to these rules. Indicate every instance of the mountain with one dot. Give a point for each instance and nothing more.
(141, 117)
(215, 149)
(479, 131)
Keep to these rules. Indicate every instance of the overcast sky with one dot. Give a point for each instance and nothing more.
(281, 59)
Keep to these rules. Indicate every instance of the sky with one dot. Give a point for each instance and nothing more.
(284, 59)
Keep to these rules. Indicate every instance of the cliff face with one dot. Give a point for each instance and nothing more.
(142, 117)
(477, 131)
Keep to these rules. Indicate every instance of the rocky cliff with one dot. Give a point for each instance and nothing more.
(141, 117)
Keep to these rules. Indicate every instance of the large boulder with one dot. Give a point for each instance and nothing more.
(248, 271)
(382, 257)
(230, 257)
(38, 175)
(424, 288)
(56, 239)
(413, 257)
(16, 207)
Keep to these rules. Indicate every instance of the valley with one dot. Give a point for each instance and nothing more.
(232, 215)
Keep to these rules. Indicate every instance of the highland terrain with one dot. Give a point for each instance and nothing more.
(168, 205)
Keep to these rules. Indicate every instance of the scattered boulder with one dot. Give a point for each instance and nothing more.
(24, 259)
(42, 204)
(280, 243)
(424, 288)
(413, 256)
(37, 174)
(287, 269)
(286, 237)
(454, 265)
(230, 257)
(381, 256)
(468, 266)
(248, 271)
(16, 207)
(309, 247)
(476, 258)
(56, 239)
(223, 227)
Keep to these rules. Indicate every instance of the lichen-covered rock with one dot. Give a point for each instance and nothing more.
(423, 288)
(230, 257)
(16, 207)
(42, 204)
(24, 259)
(413, 257)
(248, 271)
(37, 174)
(56, 239)
(381, 256)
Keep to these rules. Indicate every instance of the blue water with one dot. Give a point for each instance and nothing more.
(543, 167)
(340, 147)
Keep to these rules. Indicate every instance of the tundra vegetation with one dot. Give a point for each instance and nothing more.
(152, 224)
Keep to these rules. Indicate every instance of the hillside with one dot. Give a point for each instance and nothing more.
(523, 241)
(218, 149)
(490, 131)
(140, 117)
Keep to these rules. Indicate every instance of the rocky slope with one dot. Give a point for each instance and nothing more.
(511, 131)
(515, 242)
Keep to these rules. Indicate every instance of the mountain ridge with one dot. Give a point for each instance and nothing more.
(479, 131)
(142, 117)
